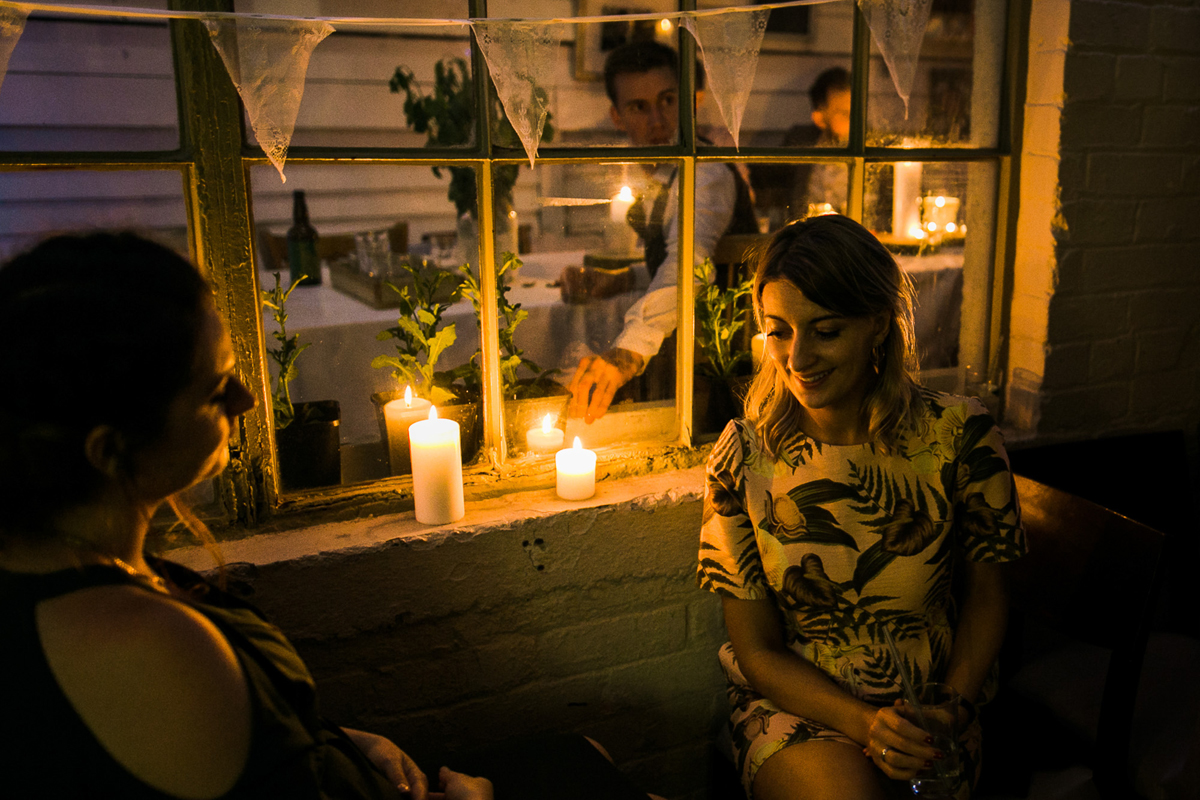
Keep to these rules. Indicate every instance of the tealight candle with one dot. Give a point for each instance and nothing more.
(576, 469)
(435, 448)
(545, 439)
(399, 415)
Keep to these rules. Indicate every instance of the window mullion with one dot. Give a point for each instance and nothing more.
(686, 326)
(218, 201)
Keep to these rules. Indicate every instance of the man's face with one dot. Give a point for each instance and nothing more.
(647, 106)
(834, 116)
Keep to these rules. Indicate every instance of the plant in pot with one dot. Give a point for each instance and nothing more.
(420, 339)
(307, 439)
(527, 399)
(720, 315)
(447, 117)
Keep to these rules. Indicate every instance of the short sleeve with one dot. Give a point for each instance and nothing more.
(729, 560)
(987, 513)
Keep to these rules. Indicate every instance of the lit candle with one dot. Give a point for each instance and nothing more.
(399, 415)
(620, 204)
(545, 439)
(576, 472)
(437, 469)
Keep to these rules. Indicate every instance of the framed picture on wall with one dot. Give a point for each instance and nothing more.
(595, 40)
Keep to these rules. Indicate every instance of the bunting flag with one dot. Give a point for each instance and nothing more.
(898, 27)
(521, 57)
(268, 61)
(729, 44)
(12, 23)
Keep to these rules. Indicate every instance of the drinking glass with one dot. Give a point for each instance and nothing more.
(938, 715)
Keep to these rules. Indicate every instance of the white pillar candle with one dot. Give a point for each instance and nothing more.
(399, 415)
(545, 439)
(437, 469)
(576, 469)
(906, 200)
(620, 204)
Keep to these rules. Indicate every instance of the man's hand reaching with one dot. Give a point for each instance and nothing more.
(598, 378)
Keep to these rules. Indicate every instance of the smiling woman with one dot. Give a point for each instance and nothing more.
(836, 516)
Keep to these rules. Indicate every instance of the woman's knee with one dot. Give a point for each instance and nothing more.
(827, 770)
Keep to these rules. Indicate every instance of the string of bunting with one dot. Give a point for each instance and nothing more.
(267, 55)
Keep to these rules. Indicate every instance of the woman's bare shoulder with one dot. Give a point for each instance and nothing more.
(155, 681)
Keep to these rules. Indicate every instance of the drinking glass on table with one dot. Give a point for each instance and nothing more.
(938, 716)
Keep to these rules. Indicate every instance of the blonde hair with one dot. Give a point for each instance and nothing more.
(839, 265)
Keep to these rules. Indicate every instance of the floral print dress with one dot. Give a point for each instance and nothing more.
(848, 540)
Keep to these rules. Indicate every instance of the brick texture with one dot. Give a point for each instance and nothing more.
(1122, 351)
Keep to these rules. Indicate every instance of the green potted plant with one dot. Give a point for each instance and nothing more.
(447, 118)
(720, 315)
(529, 398)
(307, 439)
(420, 339)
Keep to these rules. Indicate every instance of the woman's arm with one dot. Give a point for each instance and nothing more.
(799, 687)
(786, 679)
(980, 628)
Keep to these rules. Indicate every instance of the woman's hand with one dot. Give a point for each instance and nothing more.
(392, 762)
(457, 786)
(898, 747)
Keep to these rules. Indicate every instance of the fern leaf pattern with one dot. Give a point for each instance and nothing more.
(850, 541)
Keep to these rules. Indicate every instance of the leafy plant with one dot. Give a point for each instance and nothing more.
(447, 117)
(512, 358)
(420, 339)
(285, 355)
(719, 316)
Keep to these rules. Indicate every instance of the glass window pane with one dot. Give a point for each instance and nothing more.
(801, 91)
(376, 224)
(937, 219)
(90, 83)
(955, 100)
(347, 99)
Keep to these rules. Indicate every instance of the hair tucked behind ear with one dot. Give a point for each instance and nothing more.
(837, 264)
(94, 330)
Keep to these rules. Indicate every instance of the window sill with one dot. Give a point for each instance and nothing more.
(493, 513)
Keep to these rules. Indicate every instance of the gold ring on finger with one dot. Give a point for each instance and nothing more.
(883, 754)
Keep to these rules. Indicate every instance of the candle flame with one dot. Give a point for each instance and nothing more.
(939, 201)
(626, 194)
(408, 397)
(433, 412)
(665, 25)
(546, 424)
(578, 444)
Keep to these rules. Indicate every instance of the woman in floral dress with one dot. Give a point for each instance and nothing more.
(849, 501)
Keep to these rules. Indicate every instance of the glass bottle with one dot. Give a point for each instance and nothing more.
(302, 244)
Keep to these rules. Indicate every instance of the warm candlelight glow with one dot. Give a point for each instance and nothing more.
(665, 25)
(625, 195)
(576, 468)
(436, 452)
(546, 439)
(939, 201)
(399, 415)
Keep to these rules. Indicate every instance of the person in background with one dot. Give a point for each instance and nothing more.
(848, 502)
(642, 82)
(818, 184)
(130, 676)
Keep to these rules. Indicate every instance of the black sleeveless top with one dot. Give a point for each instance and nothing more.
(46, 750)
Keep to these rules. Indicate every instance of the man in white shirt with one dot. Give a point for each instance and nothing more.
(642, 81)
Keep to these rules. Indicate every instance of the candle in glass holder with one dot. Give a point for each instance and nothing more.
(576, 470)
(545, 439)
(435, 448)
(620, 204)
(399, 415)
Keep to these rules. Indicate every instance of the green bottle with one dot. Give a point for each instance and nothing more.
(302, 244)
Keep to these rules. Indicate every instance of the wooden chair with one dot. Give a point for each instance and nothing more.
(1087, 584)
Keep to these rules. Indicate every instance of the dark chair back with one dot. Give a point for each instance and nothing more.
(1091, 575)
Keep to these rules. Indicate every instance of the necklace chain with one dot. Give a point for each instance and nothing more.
(154, 580)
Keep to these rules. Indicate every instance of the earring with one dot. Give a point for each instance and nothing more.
(877, 356)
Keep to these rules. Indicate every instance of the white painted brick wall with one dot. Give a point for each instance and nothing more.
(1123, 342)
